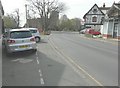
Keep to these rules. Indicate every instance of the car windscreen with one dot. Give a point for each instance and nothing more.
(20, 34)
(33, 31)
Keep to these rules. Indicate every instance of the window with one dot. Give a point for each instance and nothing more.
(94, 19)
(20, 34)
(33, 31)
(94, 10)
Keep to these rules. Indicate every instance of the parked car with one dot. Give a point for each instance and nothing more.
(82, 31)
(47, 32)
(19, 40)
(35, 33)
(92, 31)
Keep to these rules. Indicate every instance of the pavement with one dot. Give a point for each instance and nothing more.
(108, 40)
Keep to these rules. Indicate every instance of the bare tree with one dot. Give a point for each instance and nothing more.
(17, 17)
(43, 8)
(9, 21)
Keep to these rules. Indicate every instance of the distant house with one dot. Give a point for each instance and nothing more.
(34, 23)
(111, 25)
(1, 17)
(93, 18)
(63, 18)
(52, 22)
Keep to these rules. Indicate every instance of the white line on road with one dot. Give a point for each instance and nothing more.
(38, 61)
(41, 78)
(40, 73)
(42, 81)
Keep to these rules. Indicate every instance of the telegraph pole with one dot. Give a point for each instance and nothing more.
(44, 16)
(26, 14)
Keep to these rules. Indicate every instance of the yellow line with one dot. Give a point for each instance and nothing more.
(74, 63)
(84, 71)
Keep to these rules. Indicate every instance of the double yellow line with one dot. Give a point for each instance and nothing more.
(70, 60)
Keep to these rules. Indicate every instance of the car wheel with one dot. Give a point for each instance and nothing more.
(37, 39)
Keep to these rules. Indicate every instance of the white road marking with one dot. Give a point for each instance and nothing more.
(42, 81)
(40, 73)
(74, 63)
(41, 78)
(25, 61)
(38, 61)
(16, 59)
(22, 60)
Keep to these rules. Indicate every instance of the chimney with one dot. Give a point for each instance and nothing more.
(104, 5)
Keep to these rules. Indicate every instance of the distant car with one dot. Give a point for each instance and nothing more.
(47, 32)
(35, 33)
(82, 31)
(92, 31)
(19, 40)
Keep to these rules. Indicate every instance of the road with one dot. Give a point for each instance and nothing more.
(63, 59)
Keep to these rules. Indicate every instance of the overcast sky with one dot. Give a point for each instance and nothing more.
(76, 8)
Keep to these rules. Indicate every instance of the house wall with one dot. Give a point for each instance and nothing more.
(108, 28)
(54, 20)
(95, 7)
(101, 31)
(106, 32)
(91, 14)
(119, 30)
(36, 23)
(105, 28)
(96, 25)
(89, 19)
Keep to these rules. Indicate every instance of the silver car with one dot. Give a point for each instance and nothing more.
(19, 40)
(82, 31)
(35, 32)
